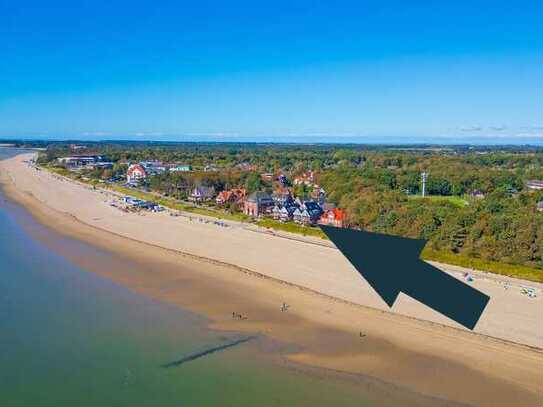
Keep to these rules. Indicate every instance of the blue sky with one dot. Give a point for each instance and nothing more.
(337, 71)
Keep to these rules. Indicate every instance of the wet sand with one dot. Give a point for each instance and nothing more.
(323, 331)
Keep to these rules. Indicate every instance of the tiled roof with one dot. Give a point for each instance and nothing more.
(335, 213)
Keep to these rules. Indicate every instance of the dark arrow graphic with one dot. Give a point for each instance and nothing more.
(391, 264)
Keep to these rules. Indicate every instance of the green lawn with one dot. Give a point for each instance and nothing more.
(292, 228)
(455, 200)
(60, 171)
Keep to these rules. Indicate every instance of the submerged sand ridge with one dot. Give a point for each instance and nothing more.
(435, 360)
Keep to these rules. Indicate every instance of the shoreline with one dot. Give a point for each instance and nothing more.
(324, 339)
(322, 268)
(27, 205)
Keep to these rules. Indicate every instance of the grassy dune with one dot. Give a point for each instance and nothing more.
(292, 228)
(511, 270)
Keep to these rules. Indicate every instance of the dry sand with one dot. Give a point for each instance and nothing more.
(329, 301)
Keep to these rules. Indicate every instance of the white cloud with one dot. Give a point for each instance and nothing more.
(95, 133)
(471, 128)
(148, 134)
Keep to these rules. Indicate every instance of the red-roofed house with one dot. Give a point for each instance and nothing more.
(232, 195)
(135, 173)
(223, 197)
(333, 217)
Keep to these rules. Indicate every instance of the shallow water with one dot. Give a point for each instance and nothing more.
(70, 337)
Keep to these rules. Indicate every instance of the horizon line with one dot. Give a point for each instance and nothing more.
(271, 142)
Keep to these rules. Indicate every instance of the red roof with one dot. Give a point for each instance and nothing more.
(236, 193)
(335, 213)
(240, 192)
(224, 195)
(339, 214)
(136, 167)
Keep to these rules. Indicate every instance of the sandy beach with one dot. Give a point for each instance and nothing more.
(219, 270)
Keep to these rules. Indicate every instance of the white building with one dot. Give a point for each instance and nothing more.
(135, 173)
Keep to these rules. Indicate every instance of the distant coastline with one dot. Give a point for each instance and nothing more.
(403, 142)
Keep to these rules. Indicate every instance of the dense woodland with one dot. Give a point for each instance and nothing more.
(378, 186)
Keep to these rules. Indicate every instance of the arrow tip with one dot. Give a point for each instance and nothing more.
(370, 255)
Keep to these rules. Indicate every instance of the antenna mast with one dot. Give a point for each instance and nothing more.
(424, 176)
